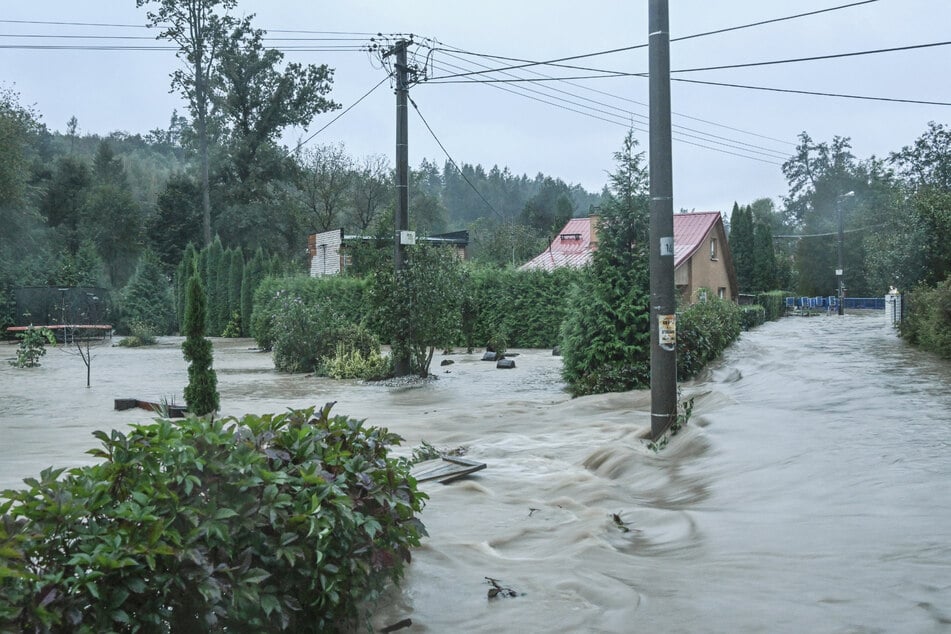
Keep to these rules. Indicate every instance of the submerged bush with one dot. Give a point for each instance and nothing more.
(752, 316)
(32, 346)
(284, 522)
(774, 303)
(927, 321)
(704, 331)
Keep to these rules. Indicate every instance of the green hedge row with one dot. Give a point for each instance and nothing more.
(284, 522)
(525, 307)
(927, 322)
(752, 316)
(345, 296)
(704, 331)
(774, 303)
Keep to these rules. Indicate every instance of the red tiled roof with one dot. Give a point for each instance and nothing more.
(573, 246)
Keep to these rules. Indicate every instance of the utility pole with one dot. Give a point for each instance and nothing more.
(841, 270)
(401, 362)
(663, 303)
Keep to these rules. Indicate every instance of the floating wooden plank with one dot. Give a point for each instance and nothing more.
(446, 469)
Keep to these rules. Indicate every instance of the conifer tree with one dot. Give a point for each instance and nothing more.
(741, 246)
(606, 337)
(201, 393)
(764, 258)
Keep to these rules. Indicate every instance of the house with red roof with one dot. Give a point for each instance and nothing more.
(701, 253)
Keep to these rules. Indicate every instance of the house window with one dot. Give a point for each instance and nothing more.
(713, 248)
(721, 292)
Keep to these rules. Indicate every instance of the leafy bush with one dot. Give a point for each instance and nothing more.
(357, 355)
(344, 294)
(752, 316)
(927, 322)
(233, 329)
(420, 308)
(141, 334)
(286, 522)
(32, 346)
(704, 331)
(351, 363)
(774, 303)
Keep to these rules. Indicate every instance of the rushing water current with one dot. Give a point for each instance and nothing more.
(809, 493)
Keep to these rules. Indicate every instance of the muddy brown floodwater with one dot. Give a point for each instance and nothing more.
(809, 492)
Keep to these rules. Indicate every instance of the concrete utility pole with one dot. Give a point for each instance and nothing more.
(663, 303)
(401, 363)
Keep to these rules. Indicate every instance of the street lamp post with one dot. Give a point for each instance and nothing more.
(841, 268)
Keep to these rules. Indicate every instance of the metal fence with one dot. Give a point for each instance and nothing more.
(51, 305)
(831, 301)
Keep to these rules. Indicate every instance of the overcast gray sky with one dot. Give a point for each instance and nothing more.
(543, 131)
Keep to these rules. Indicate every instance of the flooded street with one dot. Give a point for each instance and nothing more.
(808, 492)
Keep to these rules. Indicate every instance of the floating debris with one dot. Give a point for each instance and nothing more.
(498, 590)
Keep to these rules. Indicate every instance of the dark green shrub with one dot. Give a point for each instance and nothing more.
(927, 321)
(287, 522)
(752, 316)
(201, 393)
(147, 298)
(606, 334)
(774, 303)
(527, 306)
(704, 331)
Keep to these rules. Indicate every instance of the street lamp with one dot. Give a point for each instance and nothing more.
(840, 270)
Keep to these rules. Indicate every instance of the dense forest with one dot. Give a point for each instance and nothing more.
(84, 210)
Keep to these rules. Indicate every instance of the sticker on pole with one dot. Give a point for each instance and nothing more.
(666, 246)
(667, 332)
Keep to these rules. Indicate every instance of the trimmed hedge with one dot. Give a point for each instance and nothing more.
(704, 331)
(343, 295)
(752, 316)
(774, 303)
(286, 522)
(525, 307)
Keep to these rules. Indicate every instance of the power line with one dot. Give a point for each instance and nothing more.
(826, 235)
(524, 63)
(451, 160)
(683, 130)
(679, 137)
(645, 105)
(613, 74)
(813, 58)
(348, 109)
(813, 92)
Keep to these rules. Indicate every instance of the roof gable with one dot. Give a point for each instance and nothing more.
(690, 233)
(576, 242)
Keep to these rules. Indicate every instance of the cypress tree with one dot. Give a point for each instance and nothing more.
(235, 275)
(764, 258)
(201, 393)
(253, 274)
(741, 246)
(186, 268)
